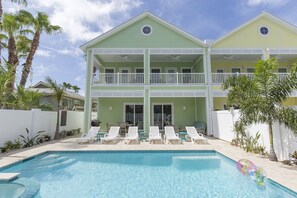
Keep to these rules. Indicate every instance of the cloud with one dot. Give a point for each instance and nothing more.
(272, 3)
(44, 53)
(84, 20)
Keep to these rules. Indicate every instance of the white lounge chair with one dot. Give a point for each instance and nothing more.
(194, 136)
(90, 136)
(154, 134)
(132, 135)
(170, 135)
(112, 135)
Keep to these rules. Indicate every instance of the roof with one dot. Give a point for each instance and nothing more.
(263, 14)
(134, 20)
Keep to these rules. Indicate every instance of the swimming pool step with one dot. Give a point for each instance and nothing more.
(56, 164)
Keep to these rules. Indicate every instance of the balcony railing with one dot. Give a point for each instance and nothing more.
(219, 78)
(119, 78)
(157, 78)
(177, 78)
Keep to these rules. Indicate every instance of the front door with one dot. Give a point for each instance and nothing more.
(162, 115)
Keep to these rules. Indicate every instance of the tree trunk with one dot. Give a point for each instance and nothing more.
(29, 60)
(13, 61)
(57, 133)
(271, 155)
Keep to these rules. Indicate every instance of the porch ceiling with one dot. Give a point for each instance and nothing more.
(174, 57)
(236, 57)
(120, 58)
(284, 57)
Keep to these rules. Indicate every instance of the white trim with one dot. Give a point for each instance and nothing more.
(233, 51)
(177, 93)
(176, 51)
(162, 103)
(118, 51)
(118, 93)
(141, 30)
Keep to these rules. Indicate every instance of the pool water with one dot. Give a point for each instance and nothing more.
(142, 174)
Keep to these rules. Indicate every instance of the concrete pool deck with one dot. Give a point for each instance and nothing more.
(276, 171)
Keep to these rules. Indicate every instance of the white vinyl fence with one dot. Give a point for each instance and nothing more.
(13, 123)
(285, 142)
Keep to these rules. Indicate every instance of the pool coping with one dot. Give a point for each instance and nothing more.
(23, 156)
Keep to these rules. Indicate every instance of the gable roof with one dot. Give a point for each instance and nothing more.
(264, 14)
(134, 20)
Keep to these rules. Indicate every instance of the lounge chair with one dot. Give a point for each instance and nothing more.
(194, 136)
(112, 135)
(132, 135)
(170, 135)
(90, 136)
(154, 134)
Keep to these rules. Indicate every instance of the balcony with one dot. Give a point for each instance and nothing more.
(177, 78)
(219, 78)
(155, 78)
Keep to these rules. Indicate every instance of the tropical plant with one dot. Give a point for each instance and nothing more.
(5, 77)
(40, 24)
(28, 141)
(75, 88)
(261, 98)
(59, 91)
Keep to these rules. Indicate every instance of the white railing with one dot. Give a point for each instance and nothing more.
(119, 78)
(219, 78)
(177, 78)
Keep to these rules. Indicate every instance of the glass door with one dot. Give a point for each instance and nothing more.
(139, 75)
(134, 115)
(162, 115)
(109, 76)
(186, 75)
(155, 75)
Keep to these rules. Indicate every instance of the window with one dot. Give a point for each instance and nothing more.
(250, 70)
(282, 70)
(264, 30)
(146, 30)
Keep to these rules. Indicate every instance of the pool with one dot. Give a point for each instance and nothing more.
(141, 174)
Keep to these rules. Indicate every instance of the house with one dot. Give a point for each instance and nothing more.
(70, 101)
(149, 72)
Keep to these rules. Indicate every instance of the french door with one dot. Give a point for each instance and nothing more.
(134, 114)
(162, 115)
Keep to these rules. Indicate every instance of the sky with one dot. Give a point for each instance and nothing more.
(60, 57)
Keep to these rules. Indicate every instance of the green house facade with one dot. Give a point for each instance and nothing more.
(148, 72)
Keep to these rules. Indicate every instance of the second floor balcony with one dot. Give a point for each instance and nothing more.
(219, 78)
(154, 78)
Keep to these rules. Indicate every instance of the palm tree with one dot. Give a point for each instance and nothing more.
(12, 27)
(24, 2)
(59, 91)
(75, 88)
(261, 98)
(40, 24)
